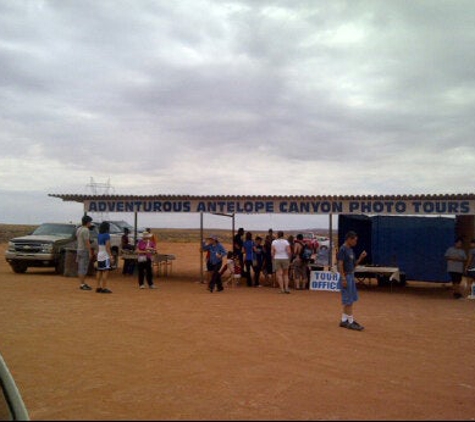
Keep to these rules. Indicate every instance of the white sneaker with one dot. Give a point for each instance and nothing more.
(152, 286)
(142, 287)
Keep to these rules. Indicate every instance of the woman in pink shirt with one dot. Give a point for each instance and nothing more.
(145, 251)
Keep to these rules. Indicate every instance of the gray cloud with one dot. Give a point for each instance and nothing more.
(364, 96)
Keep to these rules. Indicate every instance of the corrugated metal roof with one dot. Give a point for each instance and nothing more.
(163, 197)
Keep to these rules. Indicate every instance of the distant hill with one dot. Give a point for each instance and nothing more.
(9, 231)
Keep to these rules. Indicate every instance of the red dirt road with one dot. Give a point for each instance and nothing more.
(181, 353)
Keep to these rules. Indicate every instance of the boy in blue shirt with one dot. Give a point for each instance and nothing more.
(216, 254)
(346, 264)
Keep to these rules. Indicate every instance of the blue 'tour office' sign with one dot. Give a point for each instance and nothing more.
(324, 280)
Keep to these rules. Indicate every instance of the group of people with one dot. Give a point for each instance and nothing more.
(85, 253)
(145, 249)
(275, 255)
(282, 256)
(246, 254)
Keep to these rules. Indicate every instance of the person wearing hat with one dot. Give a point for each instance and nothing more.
(145, 250)
(152, 235)
(216, 254)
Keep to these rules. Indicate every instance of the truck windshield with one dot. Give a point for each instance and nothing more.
(56, 230)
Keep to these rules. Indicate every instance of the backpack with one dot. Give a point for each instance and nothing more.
(305, 252)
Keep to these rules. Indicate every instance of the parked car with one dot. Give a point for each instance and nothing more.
(121, 224)
(323, 241)
(115, 238)
(323, 252)
(44, 247)
(311, 240)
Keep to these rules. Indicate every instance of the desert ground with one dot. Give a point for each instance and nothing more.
(182, 353)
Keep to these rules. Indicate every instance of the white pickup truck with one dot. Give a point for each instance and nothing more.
(46, 246)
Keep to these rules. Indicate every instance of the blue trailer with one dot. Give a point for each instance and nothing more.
(414, 244)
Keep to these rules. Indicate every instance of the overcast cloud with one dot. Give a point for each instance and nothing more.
(233, 97)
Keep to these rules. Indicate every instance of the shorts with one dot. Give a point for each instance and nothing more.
(281, 264)
(456, 278)
(300, 269)
(82, 259)
(104, 265)
(349, 294)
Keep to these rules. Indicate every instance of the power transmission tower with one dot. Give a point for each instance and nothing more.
(97, 188)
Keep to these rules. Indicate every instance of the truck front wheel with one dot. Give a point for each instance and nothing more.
(19, 267)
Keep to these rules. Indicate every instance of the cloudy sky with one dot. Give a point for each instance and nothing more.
(289, 97)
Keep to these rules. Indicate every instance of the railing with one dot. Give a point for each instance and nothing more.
(11, 403)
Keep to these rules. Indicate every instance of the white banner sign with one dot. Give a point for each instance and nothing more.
(324, 280)
(297, 206)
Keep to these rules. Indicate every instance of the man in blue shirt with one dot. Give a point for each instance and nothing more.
(346, 264)
(216, 254)
(456, 258)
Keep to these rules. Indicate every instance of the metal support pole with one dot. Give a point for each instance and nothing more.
(135, 229)
(234, 231)
(201, 248)
(330, 255)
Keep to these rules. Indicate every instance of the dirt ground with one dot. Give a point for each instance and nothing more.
(182, 353)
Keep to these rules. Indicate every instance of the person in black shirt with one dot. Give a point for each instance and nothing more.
(238, 243)
(129, 264)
